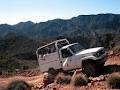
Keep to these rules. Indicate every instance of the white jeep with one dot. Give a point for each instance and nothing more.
(62, 55)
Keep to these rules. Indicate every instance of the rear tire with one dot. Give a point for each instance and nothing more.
(89, 68)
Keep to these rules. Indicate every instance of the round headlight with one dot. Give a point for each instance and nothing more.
(98, 54)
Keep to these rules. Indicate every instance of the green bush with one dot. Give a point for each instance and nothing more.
(62, 79)
(79, 80)
(18, 85)
(114, 82)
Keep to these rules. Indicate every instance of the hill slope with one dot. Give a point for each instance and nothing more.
(89, 30)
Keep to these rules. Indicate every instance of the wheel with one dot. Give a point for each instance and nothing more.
(89, 68)
(100, 68)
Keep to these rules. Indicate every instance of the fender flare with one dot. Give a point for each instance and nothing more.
(89, 57)
(92, 58)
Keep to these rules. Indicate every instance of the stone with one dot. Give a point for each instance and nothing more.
(94, 79)
(90, 78)
(102, 77)
(89, 84)
(98, 79)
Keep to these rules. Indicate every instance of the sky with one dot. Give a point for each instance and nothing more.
(15, 11)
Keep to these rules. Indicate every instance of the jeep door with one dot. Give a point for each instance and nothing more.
(68, 62)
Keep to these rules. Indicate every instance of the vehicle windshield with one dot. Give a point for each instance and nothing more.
(76, 48)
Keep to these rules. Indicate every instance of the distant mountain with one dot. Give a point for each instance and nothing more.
(81, 25)
(89, 30)
(23, 26)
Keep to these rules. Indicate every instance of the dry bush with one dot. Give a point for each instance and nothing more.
(18, 85)
(114, 82)
(48, 79)
(79, 80)
(52, 71)
(63, 79)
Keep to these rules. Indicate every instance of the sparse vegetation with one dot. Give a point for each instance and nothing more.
(18, 85)
(79, 80)
(114, 82)
(25, 67)
(116, 49)
(3, 60)
(8, 64)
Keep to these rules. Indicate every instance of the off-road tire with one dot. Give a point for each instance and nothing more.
(89, 68)
(100, 68)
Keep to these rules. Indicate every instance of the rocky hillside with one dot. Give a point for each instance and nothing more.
(22, 40)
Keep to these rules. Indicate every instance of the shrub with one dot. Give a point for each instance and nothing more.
(0, 72)
(79, 80)
(48, 79)
(49, 76)
(3, 60)
(52, 71)
(62, 79)
(25, 67)
(114, 82)
(116, 49)
(18, 85)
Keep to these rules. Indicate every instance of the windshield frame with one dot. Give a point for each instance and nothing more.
(78, 49)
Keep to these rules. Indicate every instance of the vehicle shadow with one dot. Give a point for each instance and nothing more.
(111, 68)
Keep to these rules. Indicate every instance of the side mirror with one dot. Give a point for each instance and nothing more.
(45, 55)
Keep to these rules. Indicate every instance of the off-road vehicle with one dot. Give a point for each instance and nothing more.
(60, 54)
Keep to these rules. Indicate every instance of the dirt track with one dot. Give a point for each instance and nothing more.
(113, 63)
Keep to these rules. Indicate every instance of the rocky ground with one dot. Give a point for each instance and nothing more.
(35, 78)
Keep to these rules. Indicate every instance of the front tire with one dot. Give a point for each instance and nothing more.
(89, 68)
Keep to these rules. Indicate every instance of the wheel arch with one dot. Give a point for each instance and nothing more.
(86, 60)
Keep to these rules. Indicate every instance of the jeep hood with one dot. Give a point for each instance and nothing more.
(91, 50)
